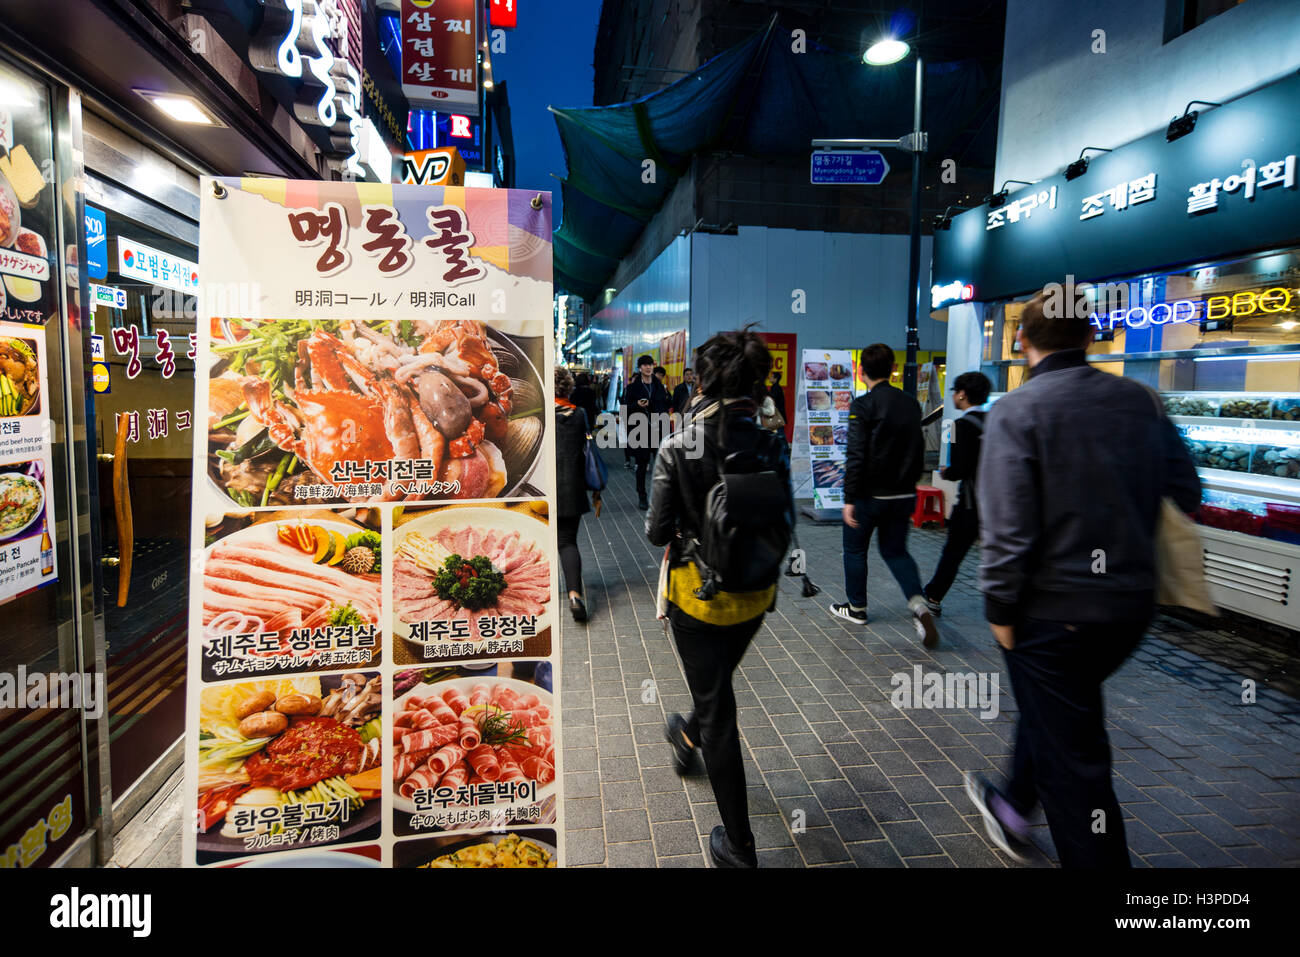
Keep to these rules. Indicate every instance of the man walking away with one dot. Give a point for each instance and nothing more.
(584, 397)
(644, 398)
(1074, 467)
(886, 453)
(970, 390)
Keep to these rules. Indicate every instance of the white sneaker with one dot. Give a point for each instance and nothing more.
(849, 613)
(924, 621)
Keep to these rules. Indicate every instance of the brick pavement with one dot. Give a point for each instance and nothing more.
(839, 777)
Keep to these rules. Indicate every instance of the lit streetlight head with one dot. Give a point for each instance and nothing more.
(884, 52)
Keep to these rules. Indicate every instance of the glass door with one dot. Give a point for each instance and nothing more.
(142, 431)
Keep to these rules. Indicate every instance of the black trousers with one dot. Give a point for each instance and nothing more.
(1062, 753)
(710, 653)
(963, 530)
(566, 530)
(643, 458)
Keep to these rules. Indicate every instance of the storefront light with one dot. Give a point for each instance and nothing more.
(181, 108)
(1272, 357)
(885, 52)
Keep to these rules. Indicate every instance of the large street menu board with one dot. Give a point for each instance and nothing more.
(827, 379)
(373, 660)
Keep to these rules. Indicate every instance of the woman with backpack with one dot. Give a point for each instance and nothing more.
(571, 429)
(712, 621)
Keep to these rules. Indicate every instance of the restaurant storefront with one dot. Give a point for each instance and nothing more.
(109, 114)
(1188, 241)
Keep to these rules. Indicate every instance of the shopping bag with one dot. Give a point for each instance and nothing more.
(1180, 568)
(661, 596)
(596, 474)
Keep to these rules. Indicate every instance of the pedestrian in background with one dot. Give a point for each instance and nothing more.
(684, 392)
(970, 390)
(645, 397)
(777, 393)
(570, 486)
(711, 635)
(1068, 507)
(885, 455)
(662, 375)
(584, 397)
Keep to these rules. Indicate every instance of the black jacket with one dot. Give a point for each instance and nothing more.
(584, 397)
(1074, 466)
(967, 433)
(682, 395)
(682, 481)
(570, 462)
(886, 450)
(637, 390)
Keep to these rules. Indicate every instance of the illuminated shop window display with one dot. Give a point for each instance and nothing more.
(1220, 343)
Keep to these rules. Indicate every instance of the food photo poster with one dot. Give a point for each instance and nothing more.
(827, 377)
(372, 671)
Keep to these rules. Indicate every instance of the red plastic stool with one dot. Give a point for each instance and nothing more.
(925, 496)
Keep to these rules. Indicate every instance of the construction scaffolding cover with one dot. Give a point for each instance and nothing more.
(760, 98)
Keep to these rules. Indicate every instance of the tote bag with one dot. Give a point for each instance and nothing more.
(595, 472)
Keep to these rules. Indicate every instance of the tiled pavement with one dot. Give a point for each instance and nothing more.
(839, 777)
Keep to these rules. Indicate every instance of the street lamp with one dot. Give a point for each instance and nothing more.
(882, 53)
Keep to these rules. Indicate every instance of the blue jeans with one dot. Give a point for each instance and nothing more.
(891, 517)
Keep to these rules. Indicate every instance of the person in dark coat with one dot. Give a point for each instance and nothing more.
(684, 392)
(777, 393)
(570, 486)
(584, 397)
(645, 398)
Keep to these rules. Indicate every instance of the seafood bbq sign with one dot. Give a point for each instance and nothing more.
(374, 367)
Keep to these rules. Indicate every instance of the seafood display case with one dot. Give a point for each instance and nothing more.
(1246, 446)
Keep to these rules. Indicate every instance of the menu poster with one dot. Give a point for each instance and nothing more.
(27, 558)
(372, 658)
(827, 394)
(27, 203)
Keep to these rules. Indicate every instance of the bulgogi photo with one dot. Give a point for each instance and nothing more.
(20, 382)
(291, 400)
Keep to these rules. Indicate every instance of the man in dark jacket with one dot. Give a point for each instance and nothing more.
(1074, 467)
(885, 455)
(970, 390)
(644, 398)
(584, 397)
(684, 392)
(777, 393)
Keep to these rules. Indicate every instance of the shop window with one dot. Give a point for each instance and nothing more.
(1184, 15)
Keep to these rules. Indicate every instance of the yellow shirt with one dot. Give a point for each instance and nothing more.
(726, 608)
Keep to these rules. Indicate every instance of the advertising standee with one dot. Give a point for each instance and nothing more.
(373, 678)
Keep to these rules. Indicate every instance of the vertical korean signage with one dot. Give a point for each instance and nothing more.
(28, 299)
(827, 394)
(374, 652)
(440, 54)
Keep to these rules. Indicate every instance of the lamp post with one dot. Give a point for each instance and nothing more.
(883, 53)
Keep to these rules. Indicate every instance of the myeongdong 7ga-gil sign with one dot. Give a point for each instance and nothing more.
(375, 651)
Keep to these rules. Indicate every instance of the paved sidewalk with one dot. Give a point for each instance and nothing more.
(839, 777)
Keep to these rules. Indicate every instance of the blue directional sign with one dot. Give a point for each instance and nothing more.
(848, 168)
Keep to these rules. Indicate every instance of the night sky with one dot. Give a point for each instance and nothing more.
(547, 63)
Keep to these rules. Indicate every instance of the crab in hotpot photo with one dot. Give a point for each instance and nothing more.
(292, 403)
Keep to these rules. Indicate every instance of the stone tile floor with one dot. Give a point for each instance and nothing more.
(839, 777)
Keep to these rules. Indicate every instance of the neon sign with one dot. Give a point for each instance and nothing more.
(954, 291)
(1138, 317)
(1248, 303)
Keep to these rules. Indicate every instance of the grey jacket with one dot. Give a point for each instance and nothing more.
(1072, 472)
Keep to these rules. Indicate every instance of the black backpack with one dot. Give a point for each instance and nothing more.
(748, 523)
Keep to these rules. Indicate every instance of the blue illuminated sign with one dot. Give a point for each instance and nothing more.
(1139, 317)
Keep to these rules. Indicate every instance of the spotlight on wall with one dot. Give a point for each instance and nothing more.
(1182, 125)
(999, 198)
(1080, 166)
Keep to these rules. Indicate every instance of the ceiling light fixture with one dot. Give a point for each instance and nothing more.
(181, 107)
(886, 51)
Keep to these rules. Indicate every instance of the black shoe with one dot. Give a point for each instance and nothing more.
(578, 608)
(726, 854)
(643, 504)
(936, 607)
(685, 756)
(846, 611)
(630, 465)
(980, 791)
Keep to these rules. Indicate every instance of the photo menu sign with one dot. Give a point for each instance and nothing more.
(827, 392)
(374, 652)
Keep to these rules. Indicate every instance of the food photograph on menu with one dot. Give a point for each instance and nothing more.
(288, 763)
(318, 411)
(290, 591)
(471, 582)
(534, 848)
(474, 747)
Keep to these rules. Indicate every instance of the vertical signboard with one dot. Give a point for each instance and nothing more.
(440, 54)
(374, 645)
(826, 394)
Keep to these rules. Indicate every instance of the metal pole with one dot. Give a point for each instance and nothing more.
(914, 251)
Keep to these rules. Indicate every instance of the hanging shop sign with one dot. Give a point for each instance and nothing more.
(96, 243)
(826, 391)
(375, 652)
(441, 167)
(504, 13)
(27, 518)
(955, 291)
(1154, 203)
(440, 54)
(135, 260)
(848, 168)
